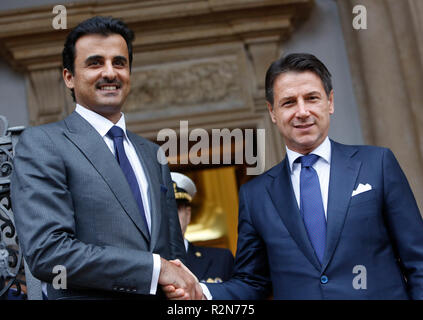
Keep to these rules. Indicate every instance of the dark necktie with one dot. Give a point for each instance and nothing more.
(117, 135)
(311, 204)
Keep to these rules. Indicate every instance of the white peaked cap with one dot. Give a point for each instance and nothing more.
(185, 183)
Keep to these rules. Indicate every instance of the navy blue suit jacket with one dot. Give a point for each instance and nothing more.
(210, 264)
(380, 229)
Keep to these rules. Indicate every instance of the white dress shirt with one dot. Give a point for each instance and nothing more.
(322, 167)
(102, 126)
(186, 243)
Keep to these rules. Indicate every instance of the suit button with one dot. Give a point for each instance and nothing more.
(324, 279)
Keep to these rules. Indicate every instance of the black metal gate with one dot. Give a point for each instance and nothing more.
(12, 271)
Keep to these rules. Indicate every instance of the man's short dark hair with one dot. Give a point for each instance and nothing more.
(95, 25)
(297, 62)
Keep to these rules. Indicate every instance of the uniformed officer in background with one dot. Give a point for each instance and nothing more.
(208, 264)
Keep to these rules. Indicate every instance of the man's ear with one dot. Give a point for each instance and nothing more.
(68, 78)
(331, 104)
(271, 112)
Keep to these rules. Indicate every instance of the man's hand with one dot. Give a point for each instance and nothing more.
(178, 281)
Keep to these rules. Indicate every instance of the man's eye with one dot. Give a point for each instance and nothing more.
(119, 63)
(94, 63)
(287, 103)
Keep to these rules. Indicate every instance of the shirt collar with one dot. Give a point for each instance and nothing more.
(101, 124)
(323, 151)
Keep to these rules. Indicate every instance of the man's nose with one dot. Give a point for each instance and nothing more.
(108, 71)
(303, 110)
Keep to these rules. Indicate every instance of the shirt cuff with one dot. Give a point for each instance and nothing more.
(206, 291)
(157, 264)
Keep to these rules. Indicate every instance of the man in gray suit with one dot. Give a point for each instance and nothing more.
(90, 197)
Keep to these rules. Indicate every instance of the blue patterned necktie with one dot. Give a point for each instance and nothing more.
(117, 135)
(311, 204)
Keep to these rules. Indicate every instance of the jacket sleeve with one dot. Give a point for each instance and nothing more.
(405, 224)
(177, 247)
(250, 279)
(45, 222)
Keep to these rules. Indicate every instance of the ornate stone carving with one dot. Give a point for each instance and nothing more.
(185, 85)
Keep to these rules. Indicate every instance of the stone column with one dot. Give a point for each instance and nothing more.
(386, 64)
(48, 100)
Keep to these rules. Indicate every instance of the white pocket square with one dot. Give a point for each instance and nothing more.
(361, 188)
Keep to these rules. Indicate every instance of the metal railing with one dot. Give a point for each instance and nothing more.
(12, 269)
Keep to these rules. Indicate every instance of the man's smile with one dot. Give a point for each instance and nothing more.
(303, 126)
(109, 86)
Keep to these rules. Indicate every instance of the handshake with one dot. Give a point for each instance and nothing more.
(178, 282)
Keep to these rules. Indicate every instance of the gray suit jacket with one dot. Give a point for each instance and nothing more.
(73, 207)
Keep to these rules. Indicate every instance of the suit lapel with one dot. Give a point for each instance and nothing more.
(343, 175)
(147, 158)
(92, 145)
(282, 195)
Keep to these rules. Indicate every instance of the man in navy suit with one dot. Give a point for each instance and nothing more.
(332, 221)
(211, 265)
